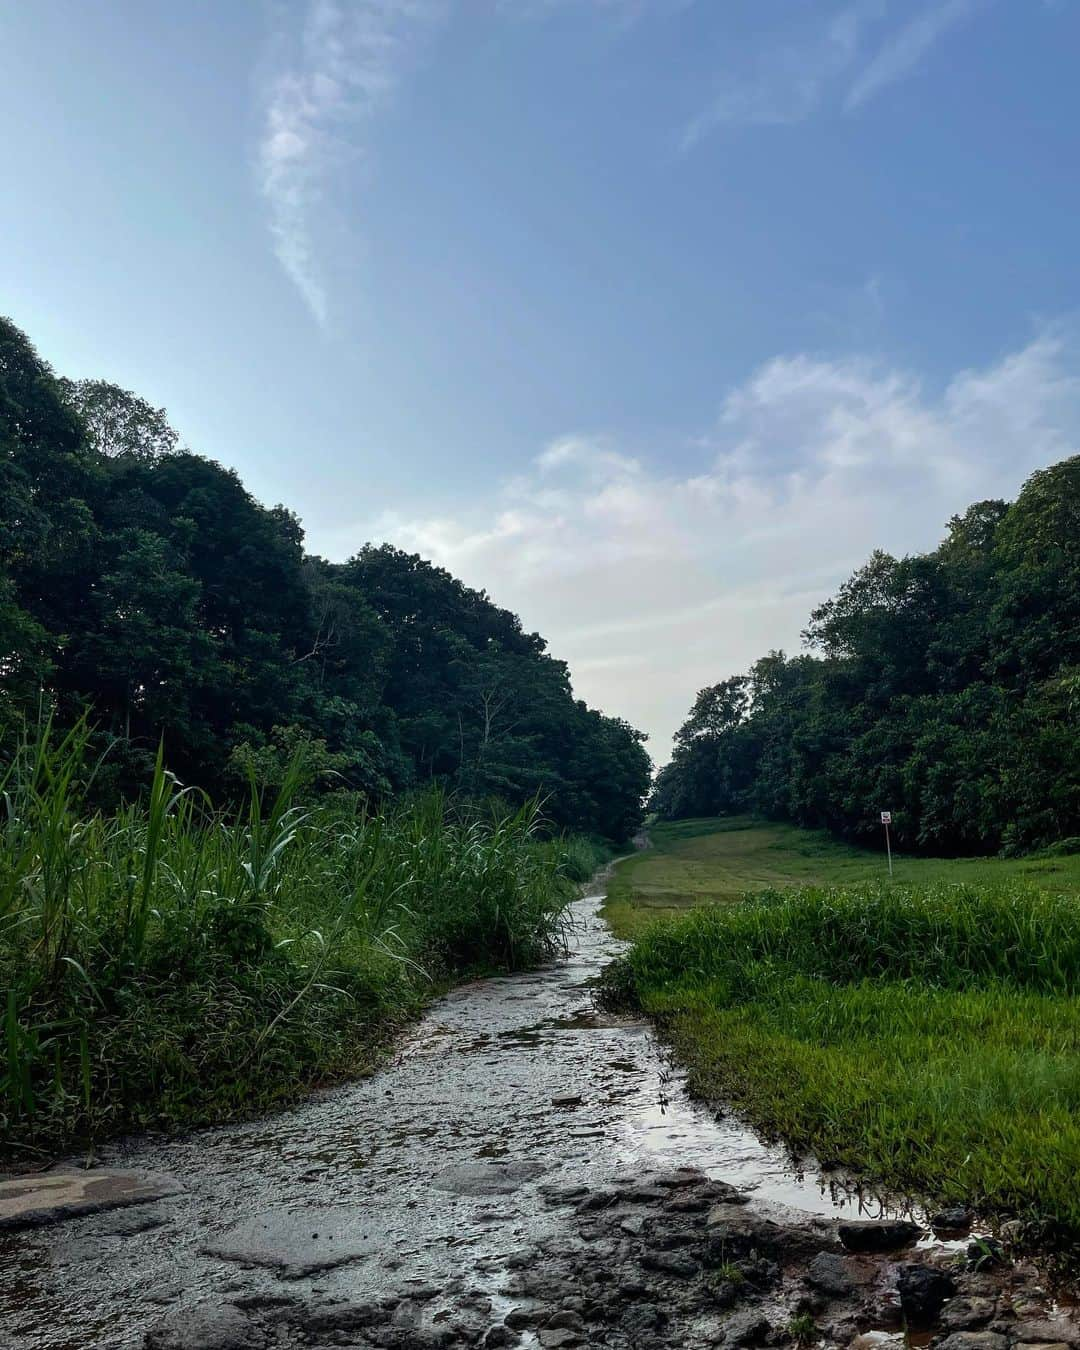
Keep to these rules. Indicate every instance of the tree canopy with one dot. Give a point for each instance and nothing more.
(944, 687)
(143, 586)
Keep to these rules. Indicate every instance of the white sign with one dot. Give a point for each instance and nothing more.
(886, 817)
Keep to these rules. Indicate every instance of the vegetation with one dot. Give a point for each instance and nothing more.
(945, 688)
(141, 585)
(168, 964)
(924, 1035)
(719, 860)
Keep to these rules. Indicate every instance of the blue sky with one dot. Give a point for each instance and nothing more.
(652, 317)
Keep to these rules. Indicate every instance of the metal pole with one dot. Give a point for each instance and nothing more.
(888, 849)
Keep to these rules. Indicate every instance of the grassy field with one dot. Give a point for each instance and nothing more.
(925, 1035)
(693, 862)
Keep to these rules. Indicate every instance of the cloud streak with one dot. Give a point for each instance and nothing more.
(330, 74)
(653, 583)
(901, 53)
(795, 77)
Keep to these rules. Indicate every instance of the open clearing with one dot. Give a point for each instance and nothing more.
(714, 860)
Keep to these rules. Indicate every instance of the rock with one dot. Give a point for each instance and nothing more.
(641, 1195)
(565, 1319)
(877, 1235)
(557, 1336)
(499, 1336)
(956, 1219)
(1046, 1329)
(923, 1291)
(829, 1272)
(596, 1200)
(205, 1328)
(564, 1195)
(723, 1193)
(734, 1233)
(130, 1222)
(633, 1289)
(49, 1197)
(682, 1176)
(965, 1314)
(566, 1101)
(972, 1340)
(521, 1319)
(487, 1178)
(750, 1327)
(292, 1256)
(670, 1263)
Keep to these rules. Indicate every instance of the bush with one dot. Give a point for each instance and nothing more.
(168, 964)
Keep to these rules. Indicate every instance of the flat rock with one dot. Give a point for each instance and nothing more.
(205, 1328)
(290, 1244)
(1044, 1330)
(734, 1232)
(972, 1340)
(50, 1197)
(877, 1235)
(487, 1178)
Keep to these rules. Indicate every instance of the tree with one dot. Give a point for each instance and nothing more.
(118, 422)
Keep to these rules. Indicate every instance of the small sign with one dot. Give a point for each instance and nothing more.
(886, 817)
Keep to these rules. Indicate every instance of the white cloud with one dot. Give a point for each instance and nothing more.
(329, 74)
(902, 51)
(652, 582)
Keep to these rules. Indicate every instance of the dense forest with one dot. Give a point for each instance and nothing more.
(944, 687)
(141, 586)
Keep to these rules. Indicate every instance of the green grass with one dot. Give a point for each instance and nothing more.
(710, 861)
(924, 1035)
(169, 964)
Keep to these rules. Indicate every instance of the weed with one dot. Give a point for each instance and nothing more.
(170, 964)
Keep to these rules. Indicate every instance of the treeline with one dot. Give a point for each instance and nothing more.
(944, 687)
(143, 587)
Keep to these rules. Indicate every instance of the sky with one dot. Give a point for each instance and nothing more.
(652, 318)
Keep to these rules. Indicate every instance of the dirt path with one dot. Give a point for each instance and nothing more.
(410, 1209)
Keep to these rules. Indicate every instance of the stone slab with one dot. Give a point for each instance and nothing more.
(39, 1198)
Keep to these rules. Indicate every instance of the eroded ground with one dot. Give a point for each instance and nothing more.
(527, 1171)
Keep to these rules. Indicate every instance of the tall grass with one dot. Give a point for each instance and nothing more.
(168, 963)
(929, 1039)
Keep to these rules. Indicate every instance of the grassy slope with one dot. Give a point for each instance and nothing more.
(926, 1035)
(692, 862)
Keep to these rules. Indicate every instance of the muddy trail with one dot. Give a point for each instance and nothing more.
(526, 1170)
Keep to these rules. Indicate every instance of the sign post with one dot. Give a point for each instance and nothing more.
(886, 820)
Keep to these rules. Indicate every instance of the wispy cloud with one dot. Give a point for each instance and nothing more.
(653, 582)
(334, 64)
(902, 51)
(790, 78)
(796, 75)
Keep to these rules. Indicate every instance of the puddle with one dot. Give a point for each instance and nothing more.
(520, 1074)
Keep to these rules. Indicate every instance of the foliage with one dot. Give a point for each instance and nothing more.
(928, 1038)
(167, 963)
(144, 585)
(945, 689)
